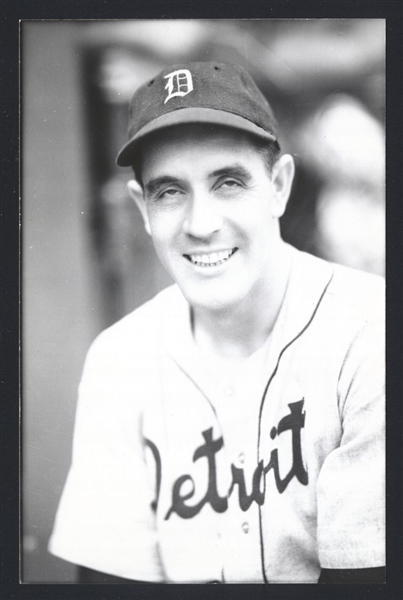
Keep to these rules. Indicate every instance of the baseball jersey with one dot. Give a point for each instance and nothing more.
(177, 476)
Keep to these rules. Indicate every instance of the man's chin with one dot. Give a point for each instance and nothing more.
(212, 297)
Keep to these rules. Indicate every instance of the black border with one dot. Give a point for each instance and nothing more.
(11, 13)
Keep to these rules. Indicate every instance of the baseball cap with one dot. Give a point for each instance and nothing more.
(198, 92)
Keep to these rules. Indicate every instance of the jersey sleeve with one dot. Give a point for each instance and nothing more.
(351, 486)
(105, 520)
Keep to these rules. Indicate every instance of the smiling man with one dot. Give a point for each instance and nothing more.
(231, 429)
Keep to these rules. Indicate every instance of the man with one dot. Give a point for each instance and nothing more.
(231, 429)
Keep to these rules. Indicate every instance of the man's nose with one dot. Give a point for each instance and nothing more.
(203, 217)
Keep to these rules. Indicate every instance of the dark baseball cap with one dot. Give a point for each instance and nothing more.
(200, 92)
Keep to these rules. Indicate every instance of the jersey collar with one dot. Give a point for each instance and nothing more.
(308, 282)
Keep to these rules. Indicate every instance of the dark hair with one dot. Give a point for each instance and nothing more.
(269, 151)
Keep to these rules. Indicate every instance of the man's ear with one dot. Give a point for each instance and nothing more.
(136, 192)
(282, 178)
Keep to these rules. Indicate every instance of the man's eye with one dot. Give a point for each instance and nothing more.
(169, 193)
(230, 183)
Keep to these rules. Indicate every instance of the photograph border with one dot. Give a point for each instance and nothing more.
(12, 14)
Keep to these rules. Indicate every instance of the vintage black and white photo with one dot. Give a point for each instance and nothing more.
(203, 312)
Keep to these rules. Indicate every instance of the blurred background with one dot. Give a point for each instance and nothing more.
(86, 259)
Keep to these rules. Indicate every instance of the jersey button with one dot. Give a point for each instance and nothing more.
(229, 391)
(245, 527)
(241, 457)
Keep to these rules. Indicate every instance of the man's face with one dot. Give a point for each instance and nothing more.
(212, 210)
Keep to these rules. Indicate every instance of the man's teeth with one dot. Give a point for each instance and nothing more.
(211, 260)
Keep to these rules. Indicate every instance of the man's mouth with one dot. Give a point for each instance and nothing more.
(211, 260)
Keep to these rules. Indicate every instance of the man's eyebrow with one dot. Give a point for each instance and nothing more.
(236, 170)
(152, 186)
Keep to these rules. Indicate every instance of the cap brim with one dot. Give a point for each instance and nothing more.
(181, 116)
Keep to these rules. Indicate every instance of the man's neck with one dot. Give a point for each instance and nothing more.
(243, 328)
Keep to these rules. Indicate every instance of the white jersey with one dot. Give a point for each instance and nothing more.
(176, 478)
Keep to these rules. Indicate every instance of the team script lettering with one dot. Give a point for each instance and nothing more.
(293, 422)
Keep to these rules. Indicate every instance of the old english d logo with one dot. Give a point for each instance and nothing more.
(179, 83)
